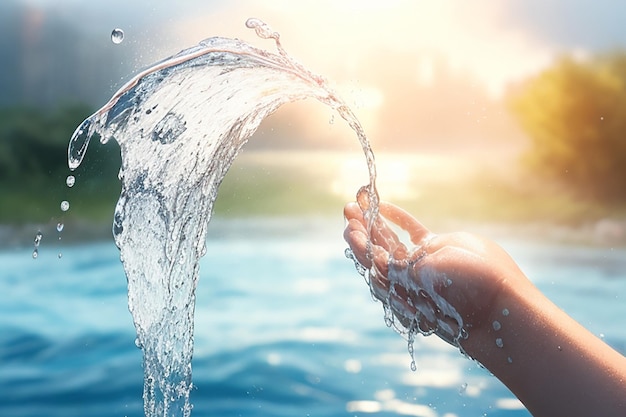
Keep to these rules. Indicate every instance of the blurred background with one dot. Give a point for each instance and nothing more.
(505, 118)
(487, 113)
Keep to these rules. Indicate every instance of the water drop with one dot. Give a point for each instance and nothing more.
(117, 36)
(332, 119)
(499, 342)
(463, 388)
(35, 254)
(505, 312)
(60, 255)
(413, 366)
(38, 238)
(496, 325)
(261, 28)
(70, 181)
(509, 359)
(65, 205)
(60, 227)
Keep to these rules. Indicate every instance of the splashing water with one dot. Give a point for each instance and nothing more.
(411, 302)
(180, 125)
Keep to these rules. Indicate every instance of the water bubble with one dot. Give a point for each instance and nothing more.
(169, 128)
(117, 36)
(505, 312)
(65, 205)
(499, 342)
(496, 325)
(35, 254)
(60, 227)
(413, 365)
(70, 181)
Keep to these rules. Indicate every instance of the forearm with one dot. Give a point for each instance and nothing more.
(549, 361)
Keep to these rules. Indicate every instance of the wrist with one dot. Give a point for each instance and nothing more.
(493, 332)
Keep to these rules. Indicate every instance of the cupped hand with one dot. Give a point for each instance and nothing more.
(444, 284)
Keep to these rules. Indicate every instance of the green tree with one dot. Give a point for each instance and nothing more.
(33, 165)
(575, 115)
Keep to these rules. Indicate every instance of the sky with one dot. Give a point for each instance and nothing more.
(498, 41)
(410, 68)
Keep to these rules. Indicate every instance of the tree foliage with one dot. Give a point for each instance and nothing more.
(575, 115)
(33, 145)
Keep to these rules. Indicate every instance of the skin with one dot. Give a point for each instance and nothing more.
(551, 363)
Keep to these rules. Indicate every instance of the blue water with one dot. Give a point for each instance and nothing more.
(284, 327)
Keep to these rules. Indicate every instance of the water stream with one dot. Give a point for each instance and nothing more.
(180, 124)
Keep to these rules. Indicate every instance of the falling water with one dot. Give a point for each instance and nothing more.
(180, 125)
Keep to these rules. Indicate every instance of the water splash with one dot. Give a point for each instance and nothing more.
(180, 124)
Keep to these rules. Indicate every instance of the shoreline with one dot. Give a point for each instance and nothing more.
(606, 232)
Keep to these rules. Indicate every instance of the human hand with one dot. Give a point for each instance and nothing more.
(444, 284)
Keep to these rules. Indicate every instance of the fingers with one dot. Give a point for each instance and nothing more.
(381, 234)
(356, 237)
(416, 230)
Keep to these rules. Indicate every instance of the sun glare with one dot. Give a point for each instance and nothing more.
(395, 176)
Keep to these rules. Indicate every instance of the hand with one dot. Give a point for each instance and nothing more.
(443, 284)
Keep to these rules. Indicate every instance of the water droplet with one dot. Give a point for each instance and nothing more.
(499, 342)
(60, 227)
(137, 343)
(35, 254)
(505, 312)
(60, 255)
(70, 181)
(65, 205)
(261, 28)
(509, 359)
(38, 238)
(117, 36)
(463, 388)
(332, 119)
(413, 366)
(496, 325)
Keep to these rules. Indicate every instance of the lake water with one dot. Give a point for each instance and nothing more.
(283, 327)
